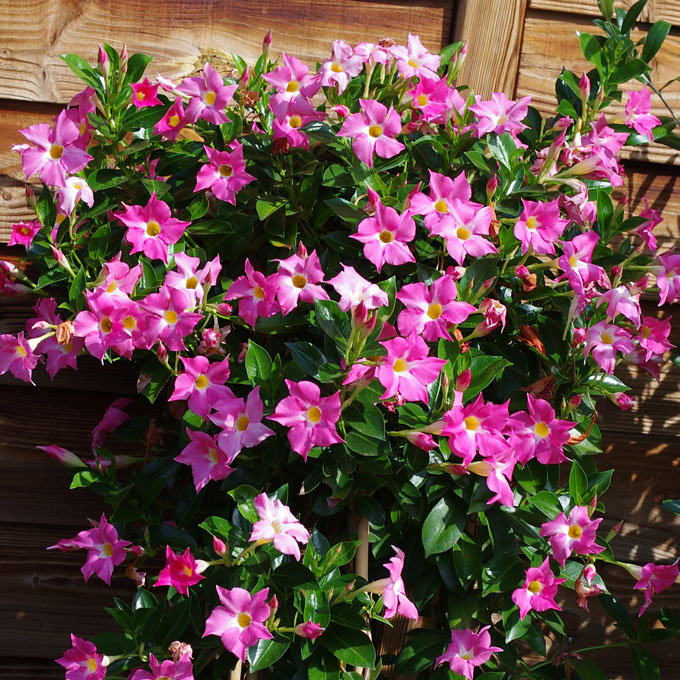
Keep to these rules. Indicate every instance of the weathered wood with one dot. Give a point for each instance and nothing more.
(542, 60)
(181, 36)
(493, 31)
(655, 10)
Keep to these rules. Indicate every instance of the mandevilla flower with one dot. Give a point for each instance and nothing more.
(170, 669)
(538, 591)
(83, 661)
(224, 174)
(278, 525)
(180, 571)
(467, 650)
(575, 533)
(653, 578)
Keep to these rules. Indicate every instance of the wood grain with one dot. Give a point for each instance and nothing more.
(181, 35)
(493, 31)
(655, 10)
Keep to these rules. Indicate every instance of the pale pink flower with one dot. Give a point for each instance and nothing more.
(145, 94)
(603, 340)
(256, 294)
(373, 130)
(341, 67)
(180, 571)
(385, 236)
(74, 190)
(539, 226)
(500, 114)
(17, 356)
(206, 458)
(118, 279)
(170, 669)
(292, 80)
(239, 620)
(394, 593)
(83, 661)
(644, 231)
(668, 278)
(498, 469)
(467, 650)
(297, 279)
(573, 534)
(290, 117)
(638, 113)
(202, 383)
(168, 318)
(577, 266)
(224, 174)
(64, 456)
(310, 417)
(191, 280)
(437, 205)
(539, 590)
(652, 336)
(415, 60)
(373, 53)
(208, 96)
(653, 578)
(279, 525)
(584, 586)
(620, 300)
(355, 290)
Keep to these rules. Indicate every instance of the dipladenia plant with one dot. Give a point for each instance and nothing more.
(374, 312)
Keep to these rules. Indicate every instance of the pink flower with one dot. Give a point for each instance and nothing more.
(63, 456)
(394, 594)
(584, 586)
(239, 621)
(576, 533)
(539, 590)
(653, 335)
(373, 130)
(290, 117)
(113, 417)
(206, 458)
(105, 549)
(17, 356)
(603, 340)
(82, 661)
(653, 578)
(241, 423)
(208, 96)
(279, 525)
(431, 311)
(57, 153)
(432, 99)
(467, 650)
(74, 190)
(408, 370)
(668, 278)
(256, 294)
(500, 114)
(644, 231)
(539, 226)
(180, 571)
(23, 234)
(620, 300)
(576, 263)
(309, 630)
(297, 279)
(168, 318)
(355, 290)
(495, 313)
(385, 236)
(292, 80)
(312, 418)
(342, 66)
(172, 122)
(224, 174)
(145, 94)
(170, 669)
(416, 60)
(202, 383)
(151, 229)
(443, 190)
(638, 113)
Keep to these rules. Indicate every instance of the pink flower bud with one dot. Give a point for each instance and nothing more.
(579, 335)
(491, 187)
(616, 270)
(179, 649)
(624, 401)
(219, 546)
(61, 259)
(103, 62)
(576, 400)
(124, 60)
(225, 309)
(584, 86)
(309, 630)
(273, 604)
(456, 273)
(640, 285)
(589, 573)
(162, 352)
(302, 250)
(463, 380)
(62, 455)
(137, 550)
(522, 271)
(421, 440)
(242, 354)
(341, 110)
(267, 42)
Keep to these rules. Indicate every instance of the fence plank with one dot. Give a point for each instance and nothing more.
(668, 10)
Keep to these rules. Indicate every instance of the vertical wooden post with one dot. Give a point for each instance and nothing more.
(493, 31)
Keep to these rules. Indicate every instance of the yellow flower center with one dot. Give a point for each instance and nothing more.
(467, 654)
(82, 127)
(21, 351)
(386, 236)
(413, 62)
(532, 223)
(106, 325)
(242, 422)
(129, 322)
(213, 455)
(575, 531)
(463, 233)
(24, 231)
(299, 281)
(375, 130)
(646, 332)
(573, 260)
(434, 311)
(292, 86)
(201, 381)
(314, 414)
(173, 120)
(112, 287)
(440, 206)
(170, 316)
(56, 151)
(225, 170)
(107, 549)
(400, 365)
(192, 282)
(471, 423)
(422, 99)
(244, 619)
(210, 97)
(541, 429)
(258, 293)
(140, 96)
(534, 587)
(153, 228)
(187, 570)
(295, 122)
(606, 338)
(91, 665)
(336, 68)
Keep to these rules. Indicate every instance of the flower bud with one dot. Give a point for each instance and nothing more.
(491, 187)
(521, 271)
(273, 605)
(219, 546)
(341, 110)
(579, 335)
(309, 630)
(267, 44)
(63, 456)
(180, 649)
(225, 309)
(616, 270)
(463, 380)
(61, 260)
(421, 440)
(162, 352)
(576, 400)
(124, 59)
(103, 62)
(584, 87)
(623, 401)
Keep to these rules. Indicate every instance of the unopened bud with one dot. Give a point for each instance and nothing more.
(521, 271)
(579, 335)
(423, 441)
(180, 649)
(623, 401)
(124, 59)
(273, 604)
(576, 400)
(614, 532)
(341, 110)
(463, 380)
(309, 630)
(219, 546)
(225, 309)
(267, 44)
(491, 187)
(616, 270)
(103, 62)
(61, 260)
(584, 87)
(63, 456)
(162, 352)
(302, 250)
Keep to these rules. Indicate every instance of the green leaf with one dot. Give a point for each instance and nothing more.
(632, 15)
(587, 669)
(308, 357)
(339, 555)
(84, 71)
(77, 286)
(136, 66)
(418, 653)
(268, 205)
(345, 209)
(443, 526)
(645, 665)
(337, 176)
(484, 369)
(46, 208)
(657, 34)
(619, 613)
(349, 645)
(590, 47)
(502, 573)
(672, 505)
(144, 599)
(606, 8)
(578, 483)
(266, 652)
(258, 363)
(629, 70)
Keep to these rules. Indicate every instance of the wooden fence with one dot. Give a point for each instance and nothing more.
(516, 46)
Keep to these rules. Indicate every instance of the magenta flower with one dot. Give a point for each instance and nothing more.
(431, 98)
(355, 290)
(644, 231)
(500, 114)
(385, 236)
(145, 94)
(467, 650)
(394, 594)
(239, 620)
(292, 80)
(17, 356)
(416, 60)
(309, 630)
(208, 96)
(431, 311)
(342, 66)
(256, 295)
(668, 278)
(310, 417)
(57, 153)
(206, 458)
(620, 300)
(297, 279)
(292, 115)
(539, 226)
(279, 525)
(180, 571)
(151, 229)
(575, 533)
(181, 669)
(498, 469)
(653, 578)
(113, 418)
(82, 661)
(408, 370)
(653, 335)
(224, 174)
(168, 318)
(638, 113)
(202, 383)
(172, 122)
(105, 549)
(23, 234)
(241, 424)
(603, 340)
(373, 130)
(539, 590)
(437, 205)
(576, 263)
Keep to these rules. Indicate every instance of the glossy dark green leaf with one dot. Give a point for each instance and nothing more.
(308, 357)
(266, 652)
(419, 652)
(258, 363)
(349, 645)
(443, 526)
(578, 482)
(645, 665)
